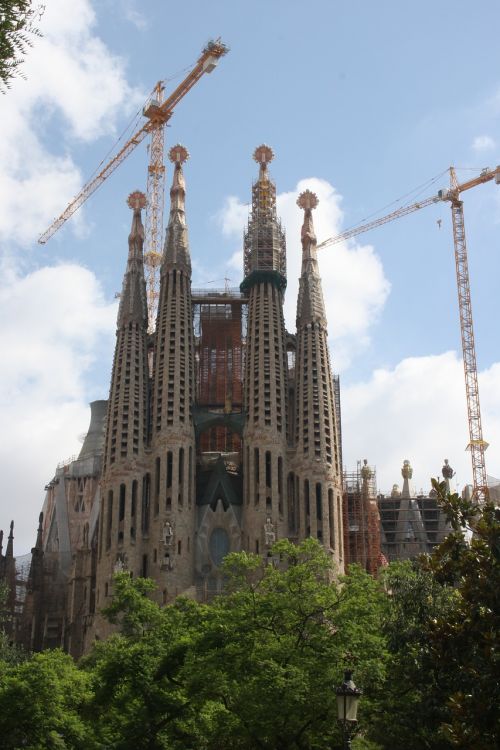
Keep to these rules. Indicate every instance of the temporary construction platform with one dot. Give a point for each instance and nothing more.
(412, 524)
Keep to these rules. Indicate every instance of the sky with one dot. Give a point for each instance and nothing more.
(364, 103)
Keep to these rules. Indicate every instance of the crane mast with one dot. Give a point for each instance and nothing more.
(477, 445)
(158, 112)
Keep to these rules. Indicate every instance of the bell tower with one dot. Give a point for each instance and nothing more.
(265, 376)
(317, 465)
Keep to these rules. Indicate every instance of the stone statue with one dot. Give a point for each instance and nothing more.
(168, 534)
(366, 471)
(120, 563)
(269, 532)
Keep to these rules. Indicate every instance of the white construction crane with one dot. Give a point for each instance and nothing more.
(477, 445)
(157, 113)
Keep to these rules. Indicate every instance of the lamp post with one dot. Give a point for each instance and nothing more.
(348, 696)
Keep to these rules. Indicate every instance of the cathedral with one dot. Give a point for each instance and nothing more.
(221, 432)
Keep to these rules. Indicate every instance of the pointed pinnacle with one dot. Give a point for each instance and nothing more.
(38, 543)
(136, 201)
(10, 542)
(263, 155)
(308, 202)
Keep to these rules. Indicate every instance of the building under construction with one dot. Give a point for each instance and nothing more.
(220, 326)
(381, 528)
(361, 518)
(221, 432)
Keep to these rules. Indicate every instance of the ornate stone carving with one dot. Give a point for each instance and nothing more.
(447, 471)
(366, 471)
(406, 471)
(121, 563)
(168, 535)
(167, 541)
(269, 532)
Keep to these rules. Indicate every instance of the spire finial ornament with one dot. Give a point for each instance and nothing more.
(407, 474)
(178, 154)
(136, 200)
(176, 248)
(307, 200)
(263, 155)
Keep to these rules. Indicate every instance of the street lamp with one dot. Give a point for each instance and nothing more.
(348, 696)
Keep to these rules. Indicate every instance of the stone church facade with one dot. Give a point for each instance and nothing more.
(221, 432)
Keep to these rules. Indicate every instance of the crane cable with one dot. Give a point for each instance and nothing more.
(420, 188)
(133, 123)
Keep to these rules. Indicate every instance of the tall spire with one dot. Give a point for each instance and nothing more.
(176, 250)
(173, 376)
(173, 447)
(310, 305)
(316, 421)
(266, 371)
(264, 239)
(38, 543)
(9, 552)
(127, 405)
(133, 301)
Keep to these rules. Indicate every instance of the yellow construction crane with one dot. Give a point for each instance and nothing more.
(158, 112)
(477, 445)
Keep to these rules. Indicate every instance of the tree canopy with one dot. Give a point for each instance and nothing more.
(257, 667)
(17, 28)
(254, 669)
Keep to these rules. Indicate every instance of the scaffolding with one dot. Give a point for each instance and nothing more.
(410, 525)
(219, 318)
(361, 518)
(264, 246)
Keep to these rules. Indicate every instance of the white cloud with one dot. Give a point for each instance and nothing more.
(135, 17)
(236, 261)
(53, 322)
(233, 216)
(483, 143)
(72, 74)
(418, 411)
(354, 285)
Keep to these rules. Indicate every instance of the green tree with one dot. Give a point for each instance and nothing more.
(42, 704)
(139, 700)
(442, 626)
(466, 641)
(256, 668)
(411, 707)
(9, 653)
(270, 652)
(17, 28)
